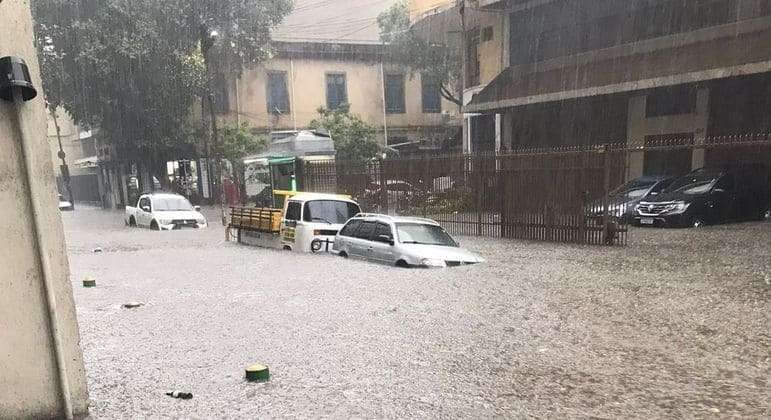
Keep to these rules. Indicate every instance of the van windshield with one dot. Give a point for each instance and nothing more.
(332, 212)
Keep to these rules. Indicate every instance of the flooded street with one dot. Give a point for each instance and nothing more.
(676, 324)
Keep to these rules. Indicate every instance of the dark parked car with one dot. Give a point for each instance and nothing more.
(624, 199)
(707, 196)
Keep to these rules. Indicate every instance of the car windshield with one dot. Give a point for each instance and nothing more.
(416, 233)
(634, 189)
(329, 211)
(693, 184)
(172, 204)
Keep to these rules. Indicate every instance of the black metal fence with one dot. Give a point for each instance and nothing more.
(556, 194)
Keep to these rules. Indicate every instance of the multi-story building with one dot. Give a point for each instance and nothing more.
(80, 154)
(328, 54)
(569, 72)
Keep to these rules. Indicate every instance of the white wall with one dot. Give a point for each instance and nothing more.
(29, 382)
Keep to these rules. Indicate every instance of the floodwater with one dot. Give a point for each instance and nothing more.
(674, 325)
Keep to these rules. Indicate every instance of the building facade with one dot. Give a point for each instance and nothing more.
(543, 73)
(80, 155)
(320, 61)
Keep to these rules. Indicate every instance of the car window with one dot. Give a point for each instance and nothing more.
(365, 231)
(423, 234)
(383, 229)
(293, 211)
(401, 187)
(725, 183)
(350, 228)
(661, 186)
(144, 202)
(172, 204)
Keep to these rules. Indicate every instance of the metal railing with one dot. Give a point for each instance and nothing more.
(558, 194)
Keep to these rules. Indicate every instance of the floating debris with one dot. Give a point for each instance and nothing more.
(89, 282)
(180, 395)
(257, 372)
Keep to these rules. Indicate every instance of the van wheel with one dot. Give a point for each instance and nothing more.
(132, 222)
(402, 264)
(343, 254)
(154, 225)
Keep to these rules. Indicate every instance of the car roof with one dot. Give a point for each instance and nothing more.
(320, 196)
(164, 195)
(395, 219)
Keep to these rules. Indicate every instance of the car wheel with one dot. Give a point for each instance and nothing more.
(132, 222)
(343, 254)
(154, 225)
(402, 264)
(766, 215)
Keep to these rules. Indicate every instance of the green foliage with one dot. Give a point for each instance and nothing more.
(440, 62)
(135, 68)
(354, 138)
(238, 142)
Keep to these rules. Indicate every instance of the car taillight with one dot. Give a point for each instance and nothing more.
(316, 232)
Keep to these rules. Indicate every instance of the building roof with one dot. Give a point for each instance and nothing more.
(697, 56)
(335, 21)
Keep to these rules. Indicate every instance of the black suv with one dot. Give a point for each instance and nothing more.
(707, 196)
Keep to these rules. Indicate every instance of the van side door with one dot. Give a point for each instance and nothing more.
(360, 244)
(382, 248)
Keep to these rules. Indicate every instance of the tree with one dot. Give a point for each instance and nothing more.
(440, 62)
(238, 142)
(122, 69)
(135, 68)
(353, 138)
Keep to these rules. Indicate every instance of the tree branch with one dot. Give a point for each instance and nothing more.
(446, 94)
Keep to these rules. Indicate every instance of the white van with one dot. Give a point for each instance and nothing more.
(307, 222)
(311, 220)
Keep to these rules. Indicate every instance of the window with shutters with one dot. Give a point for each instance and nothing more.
(394, 92)
(336, 90)
(432, 100)
(278, 95)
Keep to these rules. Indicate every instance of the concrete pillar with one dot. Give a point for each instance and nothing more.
(636, 135)
(42, 373)
(700, 121)
(498, 132)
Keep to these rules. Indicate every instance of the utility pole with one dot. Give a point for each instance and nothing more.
(64, 169)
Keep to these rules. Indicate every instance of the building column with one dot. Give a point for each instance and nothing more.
(635, 133)
(498, 132)
(701, 119)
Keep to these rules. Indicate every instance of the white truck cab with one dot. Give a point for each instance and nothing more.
(311, 220)
(164, 211)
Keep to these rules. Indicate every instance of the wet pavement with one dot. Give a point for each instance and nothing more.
(674, 325)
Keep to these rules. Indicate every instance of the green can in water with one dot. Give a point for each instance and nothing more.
(257, 373)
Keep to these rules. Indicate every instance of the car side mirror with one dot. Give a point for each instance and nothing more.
(385, 239)
(146, 209)
(197, 208)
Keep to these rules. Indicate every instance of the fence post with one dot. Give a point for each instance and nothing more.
(383, 187)
(480, 186)
(427, 185)
(606, 225)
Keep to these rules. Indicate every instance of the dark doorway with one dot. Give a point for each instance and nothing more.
(662, 157)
